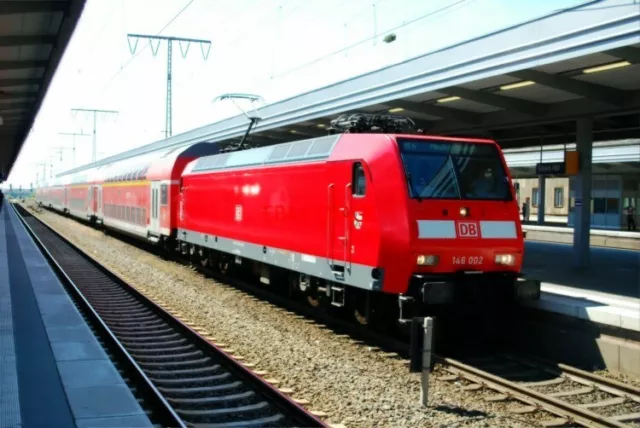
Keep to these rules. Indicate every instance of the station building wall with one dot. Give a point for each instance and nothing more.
(611, 195)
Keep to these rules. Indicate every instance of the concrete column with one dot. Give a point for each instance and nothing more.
(542, 185)
(582, 211)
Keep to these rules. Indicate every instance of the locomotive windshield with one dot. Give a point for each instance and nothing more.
(452, 170)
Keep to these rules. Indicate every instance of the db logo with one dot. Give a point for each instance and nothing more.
(468, 230)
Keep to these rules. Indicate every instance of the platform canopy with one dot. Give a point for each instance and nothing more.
(608, 157)
(33, 36)
(522, 86)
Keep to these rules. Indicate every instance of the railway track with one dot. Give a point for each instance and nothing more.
(200, 383)
(574, 397)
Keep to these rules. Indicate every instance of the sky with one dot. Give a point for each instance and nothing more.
(272, 48)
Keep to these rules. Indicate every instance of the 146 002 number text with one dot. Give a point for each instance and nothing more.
(467, 260)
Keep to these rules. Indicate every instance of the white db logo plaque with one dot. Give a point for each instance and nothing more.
(468, 229)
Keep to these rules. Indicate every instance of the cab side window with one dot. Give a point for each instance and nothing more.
(359, 180)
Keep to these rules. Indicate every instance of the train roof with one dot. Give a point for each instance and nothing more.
(297, 151)
(312, 149)
(134, 168)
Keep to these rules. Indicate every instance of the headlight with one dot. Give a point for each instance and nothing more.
(505, 259)
(427, 260)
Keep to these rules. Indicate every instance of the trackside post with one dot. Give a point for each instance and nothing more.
(420, 350)
(426, 361)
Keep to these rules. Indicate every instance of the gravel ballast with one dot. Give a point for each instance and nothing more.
(353, 385)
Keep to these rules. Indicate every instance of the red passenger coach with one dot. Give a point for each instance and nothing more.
(137, 195)
(82, 193)
(358, 218)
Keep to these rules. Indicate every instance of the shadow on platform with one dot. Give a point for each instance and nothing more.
(611, 271)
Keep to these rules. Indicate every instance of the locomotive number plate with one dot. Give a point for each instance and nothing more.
(467, 260)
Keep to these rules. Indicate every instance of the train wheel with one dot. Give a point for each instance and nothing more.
(361, 302)
(203, 257)
(224, 264)
(312, 293)
(360, 317)
(313, 299)
(306, 286)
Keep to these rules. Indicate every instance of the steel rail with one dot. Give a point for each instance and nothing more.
(561, 408)
(169, 417)
(292, 410)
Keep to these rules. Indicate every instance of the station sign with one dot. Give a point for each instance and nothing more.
(550, 168)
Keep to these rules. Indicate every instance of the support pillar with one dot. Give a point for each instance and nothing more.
(582, 210)
(542, 196)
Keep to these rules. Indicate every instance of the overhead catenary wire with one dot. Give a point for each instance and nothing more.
(299, 67)
(133, 57)
(244, 36)
(368, 39)
(448, 7)
(316, 60)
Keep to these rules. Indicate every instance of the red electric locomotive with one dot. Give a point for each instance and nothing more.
(366, 221)
(373, 218)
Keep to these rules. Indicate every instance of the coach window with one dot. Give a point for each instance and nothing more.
(163, 194)
(359, 181)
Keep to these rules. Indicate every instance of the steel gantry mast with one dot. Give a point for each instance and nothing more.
(95, 112)
(205, 48)
(73, 142)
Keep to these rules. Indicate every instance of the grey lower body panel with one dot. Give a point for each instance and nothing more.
(355, 275)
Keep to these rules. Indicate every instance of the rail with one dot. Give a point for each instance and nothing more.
(197, 380)
(479, 371)
(560, 383)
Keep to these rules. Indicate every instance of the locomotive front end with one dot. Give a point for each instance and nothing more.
(467, 242)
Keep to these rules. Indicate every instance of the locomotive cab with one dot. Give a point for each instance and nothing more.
(467, 239)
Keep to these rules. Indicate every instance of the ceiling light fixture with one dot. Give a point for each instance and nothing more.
(606, 67)
(517, 85)
(448, 99)
(395, 110)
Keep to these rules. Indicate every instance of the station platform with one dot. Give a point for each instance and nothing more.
(608, 292)
(53, 370)
(562, 233)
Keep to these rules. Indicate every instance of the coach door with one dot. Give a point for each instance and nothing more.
(155, 206)
(94, 209)
(99, 211)
(90, 198)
